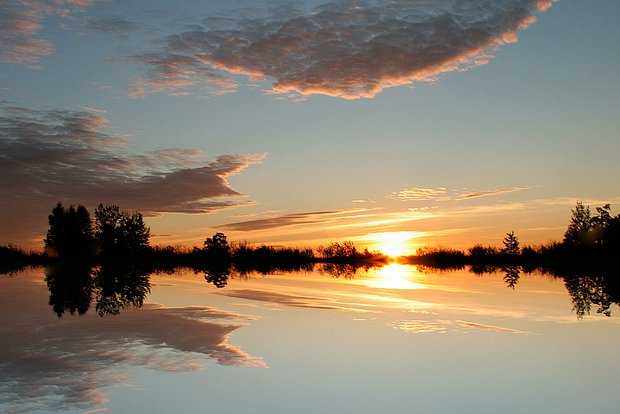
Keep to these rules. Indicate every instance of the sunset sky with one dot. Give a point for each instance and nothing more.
(405, 123)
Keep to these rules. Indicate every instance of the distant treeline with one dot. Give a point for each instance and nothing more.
(117, 236)
(589, 240)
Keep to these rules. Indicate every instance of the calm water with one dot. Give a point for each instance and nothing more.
(393, 340)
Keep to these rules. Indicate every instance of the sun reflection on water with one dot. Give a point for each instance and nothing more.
(394, 276)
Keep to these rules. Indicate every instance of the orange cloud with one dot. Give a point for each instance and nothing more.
(21, 22)
(479, 194)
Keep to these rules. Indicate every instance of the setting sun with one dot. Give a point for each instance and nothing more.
(393, 244)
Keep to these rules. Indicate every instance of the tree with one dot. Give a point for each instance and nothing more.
(70, 232)
(600, 223)
(339, 250)
(580, 225)
(217, 243)
(119, 232)
(480, 251)
(217, 249)
(611, 233)
(511, 244)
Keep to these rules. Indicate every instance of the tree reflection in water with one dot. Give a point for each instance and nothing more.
(73, 287)
(217, 275)
(512, 276)
(586, 291)
(120, 287)
(587, 288)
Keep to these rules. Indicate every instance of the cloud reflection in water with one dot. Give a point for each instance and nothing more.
(68, 363)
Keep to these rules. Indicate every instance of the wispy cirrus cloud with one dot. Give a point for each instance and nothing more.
(349, 48)
(296, 219)
(443, 325)
(21, 21)
(443, 194)
(421, 194)
(51, 155)
(478, 194)
(93, 109)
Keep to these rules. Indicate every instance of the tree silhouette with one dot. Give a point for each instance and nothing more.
(119, 232)
(339, 250)
(611, 234)
(70, 232)
(217, 250)
(217, 243)
(600, 223)
(580, 225)
(511, 244)
(600, 230)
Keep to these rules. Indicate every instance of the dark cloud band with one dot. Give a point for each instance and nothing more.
(52, 155)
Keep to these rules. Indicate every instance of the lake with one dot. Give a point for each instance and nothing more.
(395, 339)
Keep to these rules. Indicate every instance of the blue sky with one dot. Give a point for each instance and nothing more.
(450, 123)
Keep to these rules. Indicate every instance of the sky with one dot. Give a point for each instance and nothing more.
(404, 123)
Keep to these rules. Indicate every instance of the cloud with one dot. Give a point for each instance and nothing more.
(52, 155)
(481, 326)
(420, 194)
(21, 21)
(295, 301)
(442, 194)
(306, 218)
(442, 326)
(421, 326)
(111, 25)
(93, 109)
(349, 48)
(56, 364)
(178, 74)
(479, 194)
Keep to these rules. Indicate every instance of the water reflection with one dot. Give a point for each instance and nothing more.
(587, 288)
(588, 291)
(512, 276)
(394, 276)
(418, 316)
(58, 366)
(120, 287)
(73, 287)
(340, 270)
(218, 277)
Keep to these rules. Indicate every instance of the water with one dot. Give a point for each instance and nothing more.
(393, 340)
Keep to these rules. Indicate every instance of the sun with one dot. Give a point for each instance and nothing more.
(393, 244)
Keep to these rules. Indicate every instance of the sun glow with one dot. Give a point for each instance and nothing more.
(394, 276)
(393, 244)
